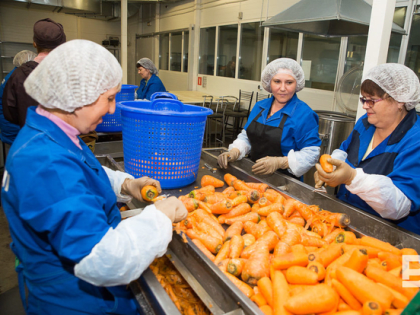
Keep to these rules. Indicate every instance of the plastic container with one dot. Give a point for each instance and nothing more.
(163, 139)
(112, 123)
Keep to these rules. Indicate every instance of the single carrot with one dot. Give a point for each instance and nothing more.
(204, 206)
(396, 271)
(305, 303)
(349, 312)
(259, 299)
(201, 193)
(211, 243)
(234, 229)
(276, 222)
(332, 267)
(257, 266)
(371, 308)
(281, 249)
(299, 248)
(391, 263)
(238, 210)
(207, 180)
(223, 264)
(346, 295)
(189, 203)
(235, 266)
(301, 275)
(280, 293)
(269, 238)
(265, 211)
(400, 300)
(297, 220)
(290, 259)
(338, 219)
(346, 237)
(223, 253)
(329, 254)
(204, 249)
(261, 187)
(267, 310)
(215, 198)
(362, 288)
(240, 185)
(358, 260)
(266, 289)
(149, 192)
(208, 229)
(326, 166)
(331, 236)
(255, 229)
(376, 263)
(221, 207)
(309, 240)
(239, 200)
(305, 211)
(289, 207)
(253, 196)
(251, 216)
(409, 251)
(388, 255)
(228, 190)
(263, 202)
(291, 237)
(229, 179)
(372, 252)
(236, 246)
(200, 214)
(318, 268)
(384, 246)
(246, 289)
(393, 312)
(343, 306)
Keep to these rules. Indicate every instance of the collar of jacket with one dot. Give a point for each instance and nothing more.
(403, 127)
(288, 109)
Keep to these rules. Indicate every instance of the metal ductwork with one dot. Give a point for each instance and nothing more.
(332, 18)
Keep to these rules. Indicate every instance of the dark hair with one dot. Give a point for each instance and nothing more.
(371, 88)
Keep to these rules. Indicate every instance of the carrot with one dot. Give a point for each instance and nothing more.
(267, 310)
(239, 200)
(228, 190)
(215, 198)
(257, 266)
(409, 251)
(376, 263)
(241, 185)
(394, 312)
(251, 216)
(204, 249)
(241, 209)
(326, 166)
(208, 220)
(388, 255)
(280, 293)
(223, 253)
(349, 312)
(236, 246)
(362, 288)
(207, 229)
(309, 240)
(246, 289)
(265, 211)
(318, 268)
(331, 236)
(301, 275)
(263, 202)
(338, 219)
(259, 299)
(396, 271)
(211, 243)
(229, 179)
(305, 211)
(343, 306)
(269, 238)
(207, 180)
(221, 207)
(276, 222)
(281, 249)
(253, 196)
(255, 229)
(391, 263)
(235, 266)
(261, 187)
(373, 242)
(371, 308)
(189, 203)
(201, 193)
(372, 252)
(204, 206)
(346, 295)
(305, 303)
(223, 264)
(297, 220)
(266, 288)
(290, 259)
(289, 207)
(291, 237)
(299, 248)
(332, 267)
(149, 192)
(400, 300)
(346, 237)
(249, 239)
(234, 229)
(358, 260)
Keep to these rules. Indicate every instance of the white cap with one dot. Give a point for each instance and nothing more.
(23, 56)
(283, 65)
(73, 75)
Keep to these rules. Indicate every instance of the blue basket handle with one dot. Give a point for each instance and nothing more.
(163, 95)
(164, 104)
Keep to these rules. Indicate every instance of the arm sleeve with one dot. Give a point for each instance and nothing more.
(301, 161)
(339, 155)
(379, 192)
(153, 88)
(117, 178)
(9, 102)
(242, 144)
(126, 251)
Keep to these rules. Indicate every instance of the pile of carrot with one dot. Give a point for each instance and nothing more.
(293, 258)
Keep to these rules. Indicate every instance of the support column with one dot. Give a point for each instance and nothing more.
(124, 46)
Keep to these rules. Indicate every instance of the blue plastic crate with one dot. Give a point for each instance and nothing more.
(112, 123)
(163, 139)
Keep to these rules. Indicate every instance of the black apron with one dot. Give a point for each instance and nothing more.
(266, 140)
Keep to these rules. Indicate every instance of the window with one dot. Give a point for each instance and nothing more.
(395, 40)
(186, 47)
(320, 61)
(250, 56)
(163, 51)
(282, 44)
(176, 51)
(207, 47)
(226, 54)
(356, 50)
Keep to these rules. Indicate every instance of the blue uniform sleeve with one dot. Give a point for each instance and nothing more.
(307, 132)
(153, 86)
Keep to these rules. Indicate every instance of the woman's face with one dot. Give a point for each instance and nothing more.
(383, 113)
(86, 118)
(283, 87)
(144, 73)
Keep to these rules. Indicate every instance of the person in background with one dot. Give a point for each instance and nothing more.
(282, 131)
(8, 130)
(76, 255)
(378, 166)
(47, 36)
(150, 83)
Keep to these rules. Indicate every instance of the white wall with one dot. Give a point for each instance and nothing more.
(174, 81)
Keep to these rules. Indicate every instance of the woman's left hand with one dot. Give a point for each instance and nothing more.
(133, 187)
(270, 164)
(343, 174)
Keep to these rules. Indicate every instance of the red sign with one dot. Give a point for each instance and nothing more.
(199, 80)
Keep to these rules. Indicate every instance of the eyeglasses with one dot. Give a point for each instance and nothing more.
(371, 103)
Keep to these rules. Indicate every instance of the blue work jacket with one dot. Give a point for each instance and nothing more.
(8, 131)
(59, 204)
(154, 85)
(301, 128)
(397, 157)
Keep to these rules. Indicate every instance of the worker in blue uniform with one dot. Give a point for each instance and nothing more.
(378, 166)
(76, 255)
(150, 83)
(282, 131)
(8, 130)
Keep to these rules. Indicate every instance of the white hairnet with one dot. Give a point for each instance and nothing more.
(278, 66)
(148, 64)
(398, 81)
(73, 75)
(22, 57)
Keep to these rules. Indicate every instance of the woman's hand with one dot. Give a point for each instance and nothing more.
(270, 164)
(318, 182)
(343, 174)
(133, 187)
(173, 208)
(231, 156)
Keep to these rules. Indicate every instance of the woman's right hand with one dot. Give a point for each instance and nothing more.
(318, 181)
(231, 156)
(173, 208)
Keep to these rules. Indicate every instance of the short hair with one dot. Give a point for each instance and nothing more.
(371, 88)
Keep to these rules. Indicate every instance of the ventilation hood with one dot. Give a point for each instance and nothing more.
(331, 18)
